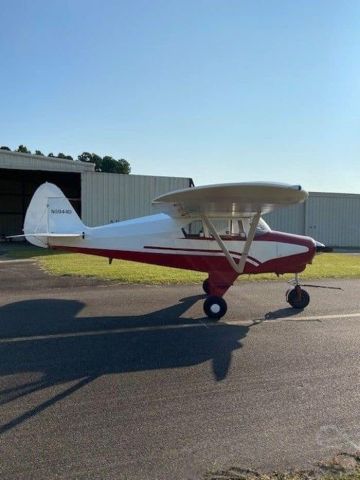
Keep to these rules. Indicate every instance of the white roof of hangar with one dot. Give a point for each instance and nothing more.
(26, 161)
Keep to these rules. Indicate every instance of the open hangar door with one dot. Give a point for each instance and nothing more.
(17, 188)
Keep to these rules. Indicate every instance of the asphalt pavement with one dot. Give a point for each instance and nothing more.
(106, 381)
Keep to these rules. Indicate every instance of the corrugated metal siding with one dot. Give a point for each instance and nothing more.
(291, 219)
(24, 161)
(108, 197)
(334, 219)
(330, 218)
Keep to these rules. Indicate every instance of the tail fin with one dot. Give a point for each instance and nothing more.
(50, 214)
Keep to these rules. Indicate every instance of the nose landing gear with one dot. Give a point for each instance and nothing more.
(297, 297)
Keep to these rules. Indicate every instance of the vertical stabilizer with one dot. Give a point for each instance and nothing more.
(50, 212)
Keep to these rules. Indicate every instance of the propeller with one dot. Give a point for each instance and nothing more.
(321, 248)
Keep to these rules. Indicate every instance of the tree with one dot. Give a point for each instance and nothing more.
(92, 158)
(51, 154)
(62, 155)
(110, 165)
(98, 162)
(22, 149)
(123, 166)
(106, 164)
(85, 157)
(5, 148)
(38, 152)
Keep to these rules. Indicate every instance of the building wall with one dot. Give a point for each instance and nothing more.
(289, 219)
(334, 219)
(330, 218)
(107, 197)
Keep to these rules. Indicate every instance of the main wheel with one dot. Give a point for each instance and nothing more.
(206, 286)
(298, 298)
(215, 307)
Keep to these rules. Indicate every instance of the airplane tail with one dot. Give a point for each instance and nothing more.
(51, 215)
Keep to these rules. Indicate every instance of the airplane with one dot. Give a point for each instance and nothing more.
(217, 229)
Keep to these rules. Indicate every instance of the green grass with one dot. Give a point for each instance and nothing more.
(326, 265)
(330, 265)
(120, 270)
(21, 251)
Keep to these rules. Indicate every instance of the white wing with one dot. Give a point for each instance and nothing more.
(231, 200)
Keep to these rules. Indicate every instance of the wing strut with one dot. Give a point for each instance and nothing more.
(239, 268)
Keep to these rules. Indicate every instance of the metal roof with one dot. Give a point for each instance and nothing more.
(26, 161)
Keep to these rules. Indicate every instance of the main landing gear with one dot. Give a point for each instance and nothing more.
(206, 286)
(297, 297)
(215, 307)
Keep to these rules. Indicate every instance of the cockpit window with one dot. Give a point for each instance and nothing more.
(194, 229)
(234, 229)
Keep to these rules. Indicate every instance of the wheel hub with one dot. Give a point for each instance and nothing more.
(215, 308)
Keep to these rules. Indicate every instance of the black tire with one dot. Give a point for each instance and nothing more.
(206, 286)
(296, 300)
(215, 307)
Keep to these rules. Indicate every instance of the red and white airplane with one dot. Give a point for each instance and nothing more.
(215, 229)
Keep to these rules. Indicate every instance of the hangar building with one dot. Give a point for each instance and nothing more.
(330, 218)
(99, 198)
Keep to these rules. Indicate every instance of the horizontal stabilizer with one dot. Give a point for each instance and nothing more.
(50, 235)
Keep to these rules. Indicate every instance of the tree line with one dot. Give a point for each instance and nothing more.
(106, 164)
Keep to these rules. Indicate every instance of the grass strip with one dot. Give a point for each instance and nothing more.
(329, 265)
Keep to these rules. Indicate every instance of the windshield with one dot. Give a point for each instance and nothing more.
(262, 227)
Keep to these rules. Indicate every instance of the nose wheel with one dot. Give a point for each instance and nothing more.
(215, 307)
(297, 297)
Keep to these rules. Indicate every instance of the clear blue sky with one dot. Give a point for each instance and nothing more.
(216, 90)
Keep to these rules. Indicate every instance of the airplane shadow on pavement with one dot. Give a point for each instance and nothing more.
(46, 336)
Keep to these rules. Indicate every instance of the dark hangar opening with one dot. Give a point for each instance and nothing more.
(18, 186)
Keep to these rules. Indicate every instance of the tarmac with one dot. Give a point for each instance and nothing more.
(107, 381)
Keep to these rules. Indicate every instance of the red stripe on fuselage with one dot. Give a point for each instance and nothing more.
(195, 250)
(202, 263)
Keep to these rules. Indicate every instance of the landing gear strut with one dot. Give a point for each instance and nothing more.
(297, 297)
(206, 286)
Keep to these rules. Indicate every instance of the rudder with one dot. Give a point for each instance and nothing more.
(50, 212)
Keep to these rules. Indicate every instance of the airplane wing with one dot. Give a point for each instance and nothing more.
(234, 200)
(231, 200)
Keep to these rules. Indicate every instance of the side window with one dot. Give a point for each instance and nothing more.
(193, 229)
(238, 228)
(235, 229)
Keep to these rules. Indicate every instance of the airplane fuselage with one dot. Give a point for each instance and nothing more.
(159, 239)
